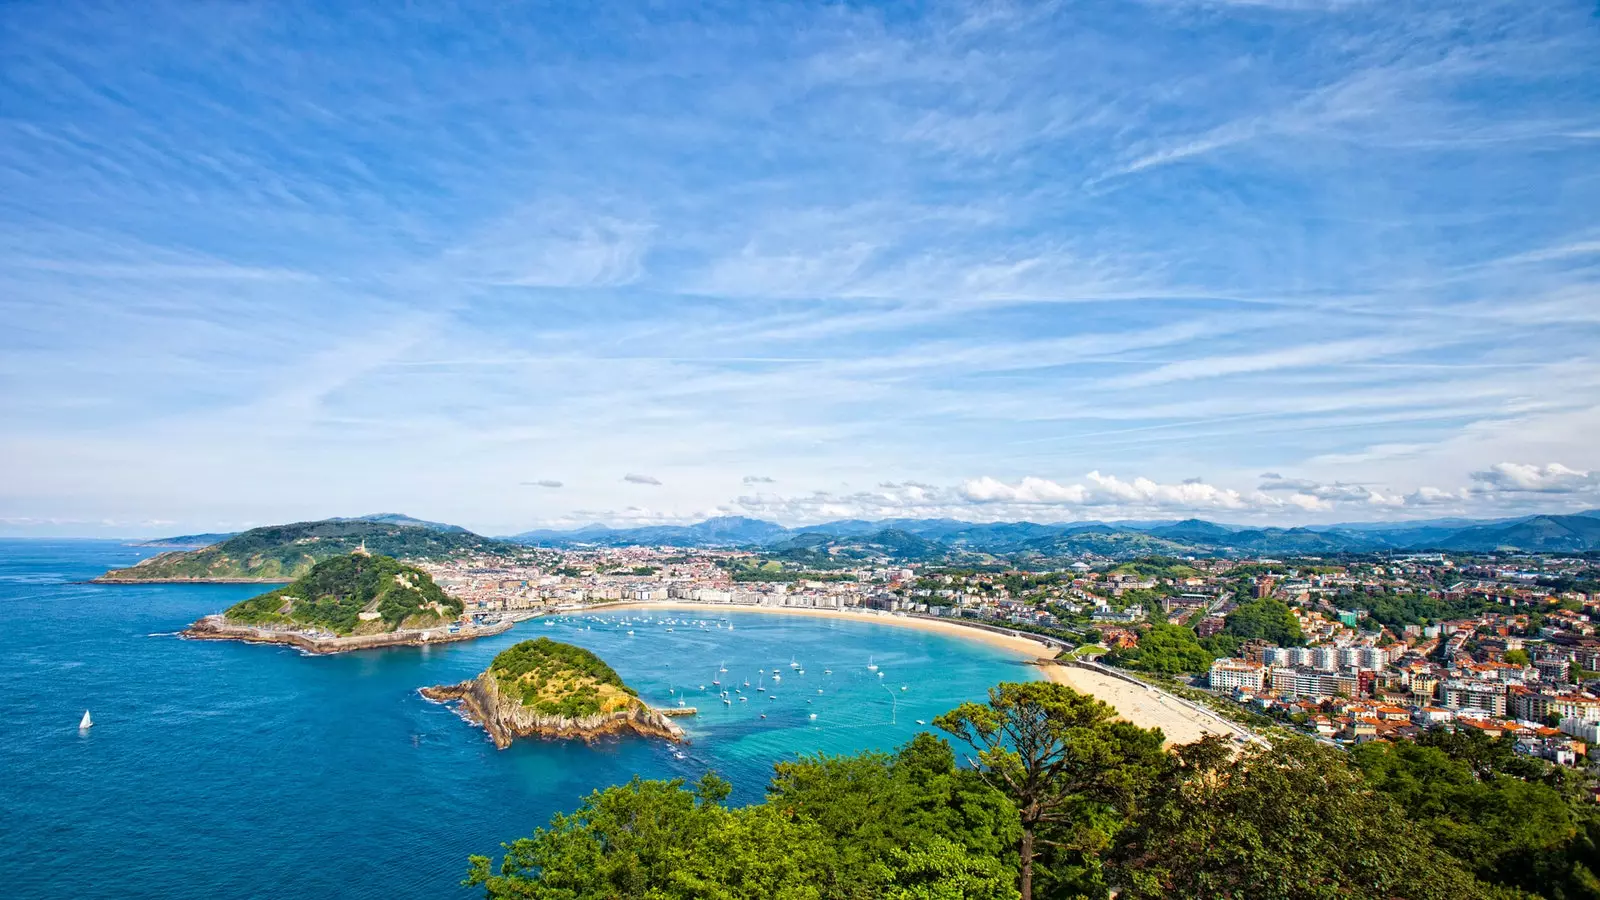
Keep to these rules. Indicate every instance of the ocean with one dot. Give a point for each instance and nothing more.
(226, 769)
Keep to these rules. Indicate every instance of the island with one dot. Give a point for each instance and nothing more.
(548, 689)
(278, 553)
(352, 602)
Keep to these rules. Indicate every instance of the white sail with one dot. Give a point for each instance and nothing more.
(87, 722)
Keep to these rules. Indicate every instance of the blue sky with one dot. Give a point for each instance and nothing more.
(507, 266)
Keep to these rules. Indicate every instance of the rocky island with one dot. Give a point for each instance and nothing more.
(351, 602)
(548, 689)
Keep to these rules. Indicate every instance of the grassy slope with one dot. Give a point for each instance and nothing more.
(336, 591)
(560, 679)
(289, 551)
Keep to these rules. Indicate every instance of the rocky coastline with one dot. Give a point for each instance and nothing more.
(482, 702)
(218, 628)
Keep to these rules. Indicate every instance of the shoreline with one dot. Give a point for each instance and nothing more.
(104, 580)
(212, 628)
(1141, 704)
(1031, 649)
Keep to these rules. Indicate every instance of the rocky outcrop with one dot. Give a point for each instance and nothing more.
(506, 718)
(218, 628)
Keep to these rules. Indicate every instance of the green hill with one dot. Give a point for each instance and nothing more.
(285, 552)
(354, 594)
(560, 679)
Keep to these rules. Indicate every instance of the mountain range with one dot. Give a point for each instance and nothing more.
(916, 538)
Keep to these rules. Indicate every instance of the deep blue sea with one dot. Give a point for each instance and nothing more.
(225, 769)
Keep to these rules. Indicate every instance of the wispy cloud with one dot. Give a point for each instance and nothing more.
(1314, 238)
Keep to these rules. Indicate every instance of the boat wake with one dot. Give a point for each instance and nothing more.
(164, 634)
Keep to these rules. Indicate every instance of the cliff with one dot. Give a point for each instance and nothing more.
(551, 690)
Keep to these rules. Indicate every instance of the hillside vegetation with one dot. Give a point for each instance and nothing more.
(354, 594)
(285, 552)
(1056, 799)
(560, 680)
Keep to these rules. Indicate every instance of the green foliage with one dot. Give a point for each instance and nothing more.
(1265, 619)
(1165, 649)
(555, 678)
(1513, 820)
(335, 592)
(772, 570)
(821, 835)
(1068, 764)
(286, 552)
(1290, 822)
(1156, 567)
(1397, 610)
(874, 803)
(1518, 657)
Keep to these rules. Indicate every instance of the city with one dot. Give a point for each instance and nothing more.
(1350, 652)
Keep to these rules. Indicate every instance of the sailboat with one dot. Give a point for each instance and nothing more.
(86, 722)
(872, 664)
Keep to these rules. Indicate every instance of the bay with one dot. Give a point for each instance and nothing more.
(217, 768)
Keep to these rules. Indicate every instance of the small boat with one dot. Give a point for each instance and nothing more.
(813, 717)
(744, 699)
(920, 722)
(880, 674)
(827, 671)
(776, 677)
(763, 715)
(85, 722)
(872, 664)
(630, 632)
(902, 687)
(819, 690)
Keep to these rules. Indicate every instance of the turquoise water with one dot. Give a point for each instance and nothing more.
(223, 769)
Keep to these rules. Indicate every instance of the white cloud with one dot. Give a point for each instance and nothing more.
(543, 482)
(759, 479)
(1553, 478)
(633, 478)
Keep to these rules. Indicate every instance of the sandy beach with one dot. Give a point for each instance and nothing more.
(1025, 647)
(1147, 708)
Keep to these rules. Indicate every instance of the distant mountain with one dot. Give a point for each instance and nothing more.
(187, 540)
(856, 538)
(723, 531)
(1558, 534)
(818, 549)
(1191, 530)
(403, 519)
(286, 552)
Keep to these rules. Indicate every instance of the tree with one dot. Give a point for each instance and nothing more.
(1265, 619)
(1062, 758)
(1513, 820)
(1518, 657)
(1166, 650)
(1287, 822)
